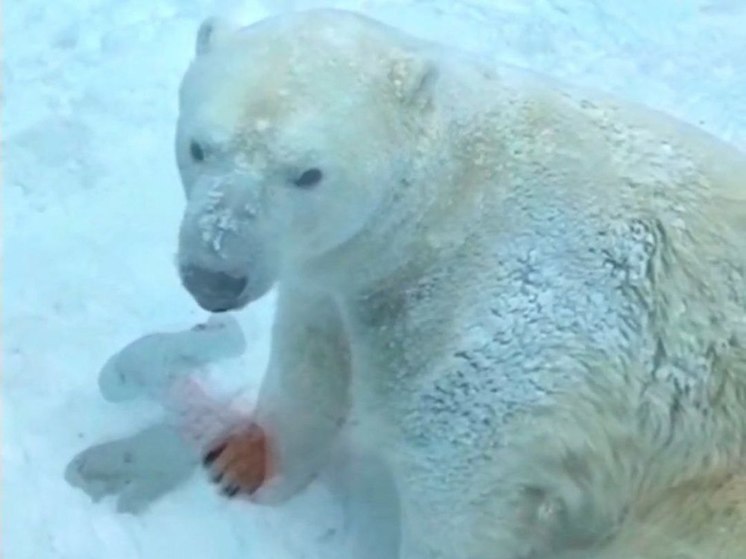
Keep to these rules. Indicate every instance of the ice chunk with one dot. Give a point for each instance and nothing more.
(149, 365)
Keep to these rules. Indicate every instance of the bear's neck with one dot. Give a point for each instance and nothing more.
(447, 200)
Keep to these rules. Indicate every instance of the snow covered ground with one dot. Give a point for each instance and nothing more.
(91, 203)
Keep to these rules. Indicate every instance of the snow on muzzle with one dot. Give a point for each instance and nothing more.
(224, 261)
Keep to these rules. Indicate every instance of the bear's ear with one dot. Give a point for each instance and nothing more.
(213, 31)
(412, 77)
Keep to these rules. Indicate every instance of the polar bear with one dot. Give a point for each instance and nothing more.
(527, 301)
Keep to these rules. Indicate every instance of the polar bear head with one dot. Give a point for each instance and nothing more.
(293, 134)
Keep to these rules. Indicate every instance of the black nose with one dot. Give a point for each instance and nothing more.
(213, 291)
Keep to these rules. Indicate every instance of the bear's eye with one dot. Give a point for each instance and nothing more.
(309, 178)
(196, 151)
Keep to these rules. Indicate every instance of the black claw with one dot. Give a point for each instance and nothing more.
(217, 478)
(212, 455)
(230, 491)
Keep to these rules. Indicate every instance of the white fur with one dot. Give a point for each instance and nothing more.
(528, 300)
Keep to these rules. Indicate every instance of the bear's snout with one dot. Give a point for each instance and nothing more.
(214, 291)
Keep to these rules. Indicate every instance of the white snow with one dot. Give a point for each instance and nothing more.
(92, 201)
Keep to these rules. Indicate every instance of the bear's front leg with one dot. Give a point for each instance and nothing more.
(302, 404)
